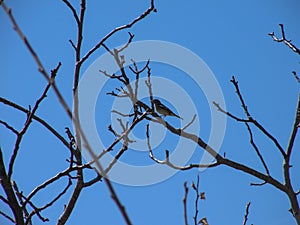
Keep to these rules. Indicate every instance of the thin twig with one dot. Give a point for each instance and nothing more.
(131, 36)
(149, 85)
(9, 127)
(246, 213)
(28, 122)
(197, 192)
(257, 149)
(20, 198)
(37, 60)
(296, 76)
(51, 180)
(284, 40)
(4, 200)
(73, 10)
(230, 114)
(184, 200)
(100, 43)
(294, 129)
(93, 181)
(11, 197)
(258, 184)
(38, 210)
(38, 119)
(190, 123)
(116, 141)
(167, 160)
(255, 122)
(7, 216)
(286, 166)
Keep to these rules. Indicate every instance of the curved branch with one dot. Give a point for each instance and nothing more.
(98, 45)
(284, 40)
(38, 119)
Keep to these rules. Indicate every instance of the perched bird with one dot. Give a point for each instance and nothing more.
(164, 110)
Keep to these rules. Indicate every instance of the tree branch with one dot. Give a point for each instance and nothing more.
(37, 59)
(257, 149)
(246, 213)
(11, 197)
(99, 44)
(28, 122)
(184, 200)
(284, 40)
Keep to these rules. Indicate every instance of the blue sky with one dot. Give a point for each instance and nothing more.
(231, 37)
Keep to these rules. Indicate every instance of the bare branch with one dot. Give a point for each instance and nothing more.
(296, 76)
(257, 149)
(122, 114)
(149, 85)
(37, 59)
(6, 185)
(37, 210)
(113, 76)
(116, 141)
(190, 123)
(246, 213)
(251, 120)
(4, 200)
(20, 198)
(258, 184)
(229, 114)
(73, 45)
(7, 216)
(286, 166)
(131, 36)
(117, 157)
(9, 127)
(117, 201)
(167, 160)
(28, 122)
(284, 40)
(51, 180)
(219, 159)
(70, 6)
(100, 43)
(294, 130)
(93, 181)
(103, 172)
(197, 192)
(41, 121)
(186, 190)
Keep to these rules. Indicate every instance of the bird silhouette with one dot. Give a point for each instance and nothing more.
(164, 110)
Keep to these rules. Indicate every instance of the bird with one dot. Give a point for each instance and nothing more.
(164, 110)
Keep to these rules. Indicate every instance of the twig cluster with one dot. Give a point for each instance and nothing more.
(21, 204)
(288, 43)
(15, 199)
(199, 196)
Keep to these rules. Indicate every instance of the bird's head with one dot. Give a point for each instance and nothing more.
(156, 101)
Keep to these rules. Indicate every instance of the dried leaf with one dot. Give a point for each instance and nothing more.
(193, 186)
(202, 196)
(203, 221)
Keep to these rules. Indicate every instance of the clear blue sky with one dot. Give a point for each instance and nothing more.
(231, 37)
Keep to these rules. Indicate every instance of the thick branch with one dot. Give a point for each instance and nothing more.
(6, 185)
